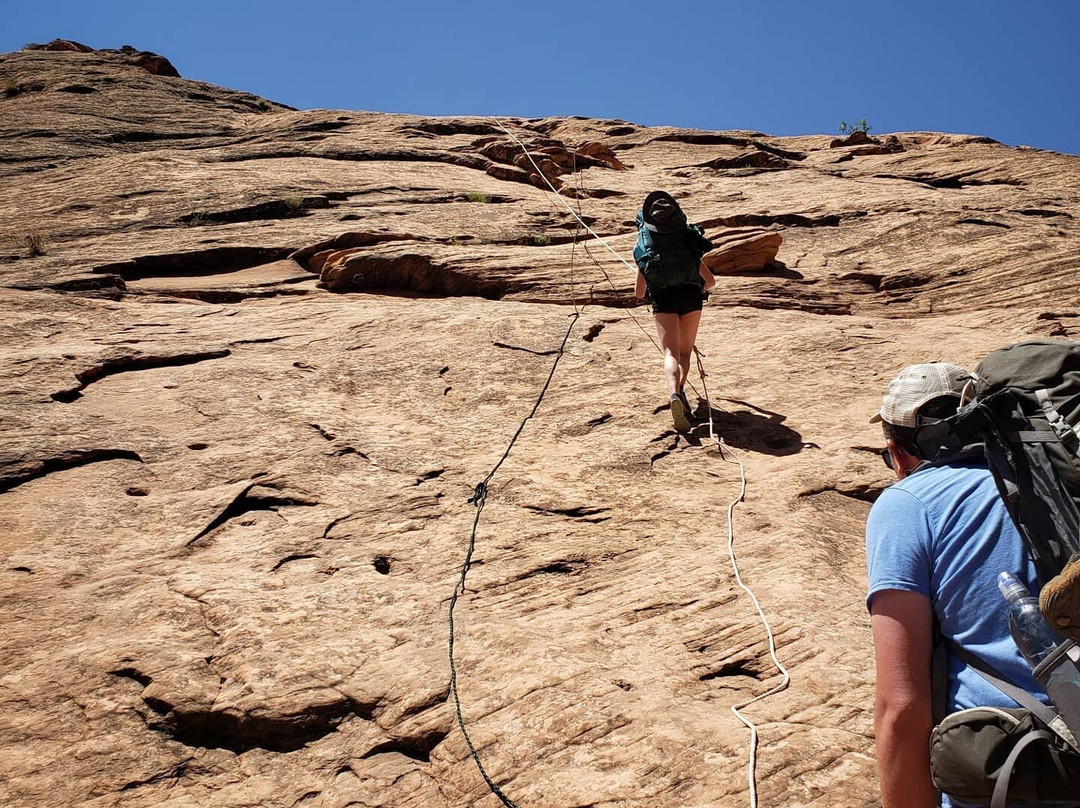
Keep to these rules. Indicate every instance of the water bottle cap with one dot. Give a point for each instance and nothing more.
(1012, 588)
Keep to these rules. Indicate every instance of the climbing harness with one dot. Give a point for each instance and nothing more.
(479, 497)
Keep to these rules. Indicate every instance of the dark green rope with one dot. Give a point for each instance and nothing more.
(479, 499)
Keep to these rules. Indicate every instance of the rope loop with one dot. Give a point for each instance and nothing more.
(479, 494)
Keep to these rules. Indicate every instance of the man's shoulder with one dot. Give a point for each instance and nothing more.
(934, 488)
(933, 477)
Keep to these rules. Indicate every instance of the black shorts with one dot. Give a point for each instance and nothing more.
(678, 299)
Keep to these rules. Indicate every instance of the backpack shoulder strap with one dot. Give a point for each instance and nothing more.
(1048, 715)
(1001, 786)
(967, 453)
(645, 249)
(1055, 732)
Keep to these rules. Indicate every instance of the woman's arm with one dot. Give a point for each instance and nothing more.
(639, 286)
(707, 276)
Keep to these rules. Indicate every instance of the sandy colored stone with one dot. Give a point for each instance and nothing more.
(235, 474)
(742, 250)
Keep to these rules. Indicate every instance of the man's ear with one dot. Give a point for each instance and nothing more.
(903, 461)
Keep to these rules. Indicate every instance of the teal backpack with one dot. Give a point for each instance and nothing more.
(670, 259)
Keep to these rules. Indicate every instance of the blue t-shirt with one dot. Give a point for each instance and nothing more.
(944, 532)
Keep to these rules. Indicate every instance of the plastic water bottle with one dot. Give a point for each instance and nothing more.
(1032, 634)
(1053, 659)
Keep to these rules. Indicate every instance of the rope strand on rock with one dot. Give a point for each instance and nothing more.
(479, 499)
(714, 438)
(786, 680)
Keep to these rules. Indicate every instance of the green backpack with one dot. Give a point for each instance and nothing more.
(1026, 416)
(1025, 420)
(670, 259)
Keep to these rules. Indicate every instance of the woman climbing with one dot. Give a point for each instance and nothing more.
(672, 274)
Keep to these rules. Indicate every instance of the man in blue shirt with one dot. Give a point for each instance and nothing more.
(935, 543)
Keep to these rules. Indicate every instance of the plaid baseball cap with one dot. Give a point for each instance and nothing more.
(918, 384)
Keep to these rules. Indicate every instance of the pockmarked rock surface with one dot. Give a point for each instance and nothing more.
(255, 361)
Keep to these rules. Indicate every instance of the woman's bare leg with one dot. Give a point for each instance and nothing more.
(669, 331)
(688, 328)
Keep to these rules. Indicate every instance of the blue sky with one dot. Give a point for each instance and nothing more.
(1004, 69)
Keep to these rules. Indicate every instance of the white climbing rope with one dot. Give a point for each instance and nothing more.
(720, 445)
(786, 680)
(786, 677)
(558, 196)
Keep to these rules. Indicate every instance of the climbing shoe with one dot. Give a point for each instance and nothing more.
(686, 401)
(680, 413)
(1060, 600)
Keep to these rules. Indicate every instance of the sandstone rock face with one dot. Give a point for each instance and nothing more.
(257, 360)
(741, 250)
(62, 45)
(152, 63)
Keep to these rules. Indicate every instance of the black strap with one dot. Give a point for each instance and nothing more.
(948, 457)
(1001, 787)
(939, 678)
(1043, 712)
(1034, 437)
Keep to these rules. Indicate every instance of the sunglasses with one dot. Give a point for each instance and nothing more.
(886, 457)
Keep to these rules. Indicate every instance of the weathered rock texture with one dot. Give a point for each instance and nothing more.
(235, 503)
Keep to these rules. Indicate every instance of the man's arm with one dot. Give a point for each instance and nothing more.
(639, 286)
(902, 624)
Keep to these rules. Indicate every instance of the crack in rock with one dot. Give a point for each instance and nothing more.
(128, 363)
(290, 558)
(866, 493)
(213, 261)
(593, 332)
(417, 747)
(963, 180)
(562, 566)
(520, 348)
(583, 513)
(255, 497)
(785, 219)
(240, 731)
(174, 772)
(737, 668)
(275, 209)
(14, 472)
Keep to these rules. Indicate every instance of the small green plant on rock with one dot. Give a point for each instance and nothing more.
(12, 88)
(35, 242)
(541, 240)
(293, 201)
(851, 128)
(476, 196)
(264, 105)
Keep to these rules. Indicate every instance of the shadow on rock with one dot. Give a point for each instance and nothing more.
(775, 269)
(757, 431)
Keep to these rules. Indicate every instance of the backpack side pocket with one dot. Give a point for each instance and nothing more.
(970, 752)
